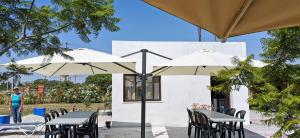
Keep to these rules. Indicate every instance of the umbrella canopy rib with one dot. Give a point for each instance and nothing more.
(92, 70)
(160, 55)
(96, 67)
(92, 66)
(131, 54)
(196, 70)
(237, 19)
(163, 70)
(159, 69)
(58, 69)
(41, 67)
(133, 71)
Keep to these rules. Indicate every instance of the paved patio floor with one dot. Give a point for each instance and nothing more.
(132, 130)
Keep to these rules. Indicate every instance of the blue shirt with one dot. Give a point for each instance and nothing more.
(16, 100)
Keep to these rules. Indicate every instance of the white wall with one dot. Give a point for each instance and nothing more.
(178, 92)
(238, 100)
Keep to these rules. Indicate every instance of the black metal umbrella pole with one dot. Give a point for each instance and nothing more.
(144, 76)
(143, 93)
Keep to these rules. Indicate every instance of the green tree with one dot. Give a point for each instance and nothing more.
(100, 80)
(13, 70)
(27, 27)
(275, 88)
(103, 82)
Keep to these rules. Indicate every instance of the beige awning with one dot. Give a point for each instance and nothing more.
(226, 18)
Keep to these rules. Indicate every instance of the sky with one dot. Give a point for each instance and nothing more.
(142, 22)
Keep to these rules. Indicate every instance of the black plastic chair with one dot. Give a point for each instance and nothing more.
(96, 124)
(203, 126)
(51, 130)
(54, 114)
(63, 111)
(191, 122)
(230, 111)
(237, 126)
(90, 128)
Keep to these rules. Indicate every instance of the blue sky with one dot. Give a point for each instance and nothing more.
(142, 22)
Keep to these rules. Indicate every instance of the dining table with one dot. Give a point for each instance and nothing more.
(220, 118)
(72, 119)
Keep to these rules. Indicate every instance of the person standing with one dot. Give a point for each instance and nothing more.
(16, 103)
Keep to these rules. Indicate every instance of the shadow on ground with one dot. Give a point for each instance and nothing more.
(128, 124)
(125, 130)
(181, 132)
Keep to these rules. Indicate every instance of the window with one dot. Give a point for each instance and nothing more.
(133, 88)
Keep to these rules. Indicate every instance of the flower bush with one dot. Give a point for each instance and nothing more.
(87, 94)
(55, 96)
(30, 98)
(95, 89)
(198, 106)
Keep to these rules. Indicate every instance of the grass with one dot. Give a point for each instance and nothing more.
(55, 106)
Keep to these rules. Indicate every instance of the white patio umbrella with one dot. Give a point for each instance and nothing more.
(199, 63)
(85, 62)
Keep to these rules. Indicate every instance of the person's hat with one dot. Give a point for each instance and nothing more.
(16, 88)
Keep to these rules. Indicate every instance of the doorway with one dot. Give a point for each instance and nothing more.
(220, 101)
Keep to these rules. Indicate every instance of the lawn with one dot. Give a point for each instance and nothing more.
(55, 106)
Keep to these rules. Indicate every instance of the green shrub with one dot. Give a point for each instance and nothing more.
(2, 98)
(91, 94)
(68, 92)
(56, 96)
(74, 95)
(30, 98)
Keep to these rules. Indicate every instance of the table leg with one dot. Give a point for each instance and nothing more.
(220, 124)
(74, 131)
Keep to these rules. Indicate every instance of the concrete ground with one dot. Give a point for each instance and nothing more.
(257, 126)
(132, 130)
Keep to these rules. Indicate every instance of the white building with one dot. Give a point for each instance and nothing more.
(169, 96)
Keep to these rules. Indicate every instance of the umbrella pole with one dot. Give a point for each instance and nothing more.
(143, 93)
(143, 76)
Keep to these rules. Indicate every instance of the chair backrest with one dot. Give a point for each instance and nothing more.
(47, 118)
(63, 111)
(230, 111)
(240, 114)
(205, 119)
(191, 118)
(54, 114)
(201, 119)
(92, 121)
(96, 119)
